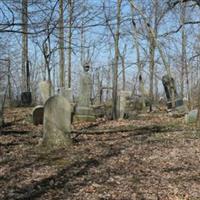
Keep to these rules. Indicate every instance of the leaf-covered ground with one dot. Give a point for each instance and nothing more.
(153, 157)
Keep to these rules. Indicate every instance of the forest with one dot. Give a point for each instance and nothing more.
(100, 99)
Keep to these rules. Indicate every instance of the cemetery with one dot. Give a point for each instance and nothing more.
(111, 119)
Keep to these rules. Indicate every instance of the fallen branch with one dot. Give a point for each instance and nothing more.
(138, 130)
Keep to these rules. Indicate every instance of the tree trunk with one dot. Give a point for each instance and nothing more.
(115, 75)
(25, 63)
(198, 114)
(152, 47)
(70, 11)
(139, 63)
(122, 56)
(9, 83)
(183, 49)
(61, 45)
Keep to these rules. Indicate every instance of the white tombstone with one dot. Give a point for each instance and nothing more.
(67, 93)
(57, 122)
(122, 102)
(45, 88)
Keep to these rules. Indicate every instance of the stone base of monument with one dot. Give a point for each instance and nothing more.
(180, 107)
(84, 114)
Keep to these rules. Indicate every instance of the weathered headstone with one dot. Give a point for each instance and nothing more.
(57, 122)
(38, 115)
(67, 93)
(191, 117)
(170, 88)
(123, 102)
(26, 98)
(84, 111)
(45, 88)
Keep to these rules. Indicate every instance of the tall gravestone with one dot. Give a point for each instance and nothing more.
(67, 93)
(45, 89)
(57, 123)
(123, 102)
(170, 88)
(84, 112)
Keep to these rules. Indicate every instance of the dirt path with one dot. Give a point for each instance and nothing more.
(145, 163)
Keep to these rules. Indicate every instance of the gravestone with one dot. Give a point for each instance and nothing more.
(57, 123)
(45, 89)
(67, 93)
(26, 98)
(83, 111)
(191, 117)
(123, 103)
(170, 88)
(38, 115)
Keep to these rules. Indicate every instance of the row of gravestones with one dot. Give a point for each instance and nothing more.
(56, 112)
(82, 109)
(55, 115)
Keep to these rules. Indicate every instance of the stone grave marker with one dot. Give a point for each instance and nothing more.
(169, 87)
(191, 117)
(45, 89)
(57, 122)
(67, 93)
(84, 112)
(26, 98)
(123, 102)
(38, 115)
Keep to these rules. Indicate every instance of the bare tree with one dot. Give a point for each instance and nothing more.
(70, 23)
(115, 75)
(61, 45)
(25, 60)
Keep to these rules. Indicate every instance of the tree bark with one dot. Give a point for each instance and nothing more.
(115, 76)
(70, 11)
(61, 45)
(25, 62)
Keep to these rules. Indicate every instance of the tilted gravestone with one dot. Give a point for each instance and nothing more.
(38, 115)
(170, 88)
(84, 112)
(57, 122)
(45, 89)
